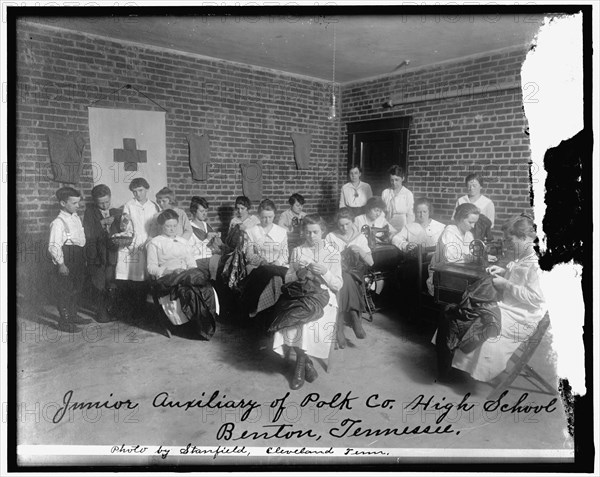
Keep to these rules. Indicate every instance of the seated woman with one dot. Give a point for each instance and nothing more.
(183, 291)
(291, 219)
(312, 337)
(205, 241)
(398, 199)
(355, 193)
(453, 244)
(348, 239)
(166, 200)
(266, 251)
(232, 267)
(374, 216)
(424, 230)
(521, 307)
(242, 218)
(474, 183)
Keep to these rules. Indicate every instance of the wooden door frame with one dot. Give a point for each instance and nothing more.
(375, 125)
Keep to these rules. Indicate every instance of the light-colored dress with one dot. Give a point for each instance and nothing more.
(355, 196)
(315, 337)
(271, 246)
(452, 246)
(415, 233)
(399, 207)
(131, 261)
(521, 309)
(484, 204)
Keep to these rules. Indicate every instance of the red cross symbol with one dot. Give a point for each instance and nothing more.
(130, 155)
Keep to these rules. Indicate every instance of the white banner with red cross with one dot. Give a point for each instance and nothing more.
(126, 144)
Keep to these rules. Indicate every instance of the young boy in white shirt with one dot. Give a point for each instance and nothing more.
(67, 239)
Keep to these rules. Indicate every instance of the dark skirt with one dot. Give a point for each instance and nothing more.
(350, 297)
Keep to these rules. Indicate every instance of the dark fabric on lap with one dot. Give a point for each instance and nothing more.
(255, 283)
(195, 294)
(301, 301)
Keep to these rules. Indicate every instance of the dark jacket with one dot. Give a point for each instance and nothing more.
(99, 249)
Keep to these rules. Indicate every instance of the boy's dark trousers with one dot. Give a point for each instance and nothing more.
(69, 287)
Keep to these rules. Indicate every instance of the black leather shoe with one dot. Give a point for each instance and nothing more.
(102, 316)
(299, 372)
(310, 373)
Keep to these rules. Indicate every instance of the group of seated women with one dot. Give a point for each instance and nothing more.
(293, 266)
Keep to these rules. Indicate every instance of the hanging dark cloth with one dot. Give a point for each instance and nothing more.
(66, 154)
(467, 325)
(252, 176)
(199, 156)
(301, 301)
(301, 149)
(196, 296)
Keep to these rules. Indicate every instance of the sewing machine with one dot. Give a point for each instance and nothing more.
(376, 235)
(485, 252)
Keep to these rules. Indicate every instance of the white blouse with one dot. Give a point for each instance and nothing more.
(485, 206)
(167, 254)
(272, 245)
(355, 196)
(399, 206)
(415, 233)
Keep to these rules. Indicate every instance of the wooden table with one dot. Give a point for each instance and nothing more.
(450, 280)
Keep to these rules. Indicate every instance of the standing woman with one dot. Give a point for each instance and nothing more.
(453, 244)
(474, 183)
(355, 193)
(399, 201)
(314, 337)
(267, 256)
(139, 219)
(354, 247)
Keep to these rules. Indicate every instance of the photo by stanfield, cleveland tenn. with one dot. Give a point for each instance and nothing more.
(252, 240)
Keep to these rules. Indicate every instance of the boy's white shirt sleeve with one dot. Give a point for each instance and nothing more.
(56, 241)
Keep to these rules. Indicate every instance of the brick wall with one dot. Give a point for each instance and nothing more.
(248, 112)
(450, 135)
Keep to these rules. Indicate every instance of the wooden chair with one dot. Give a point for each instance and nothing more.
(517, 365)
